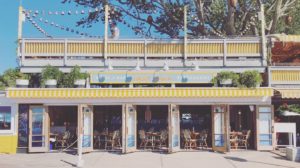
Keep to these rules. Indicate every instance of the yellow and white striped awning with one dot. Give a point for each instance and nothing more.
(289, 93)
(58, 93)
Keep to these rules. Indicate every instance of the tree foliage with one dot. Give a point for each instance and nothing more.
(205, 17)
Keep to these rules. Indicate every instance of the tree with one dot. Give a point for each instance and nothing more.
(205, 17)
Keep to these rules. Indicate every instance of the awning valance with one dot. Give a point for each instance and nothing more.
(138, 93)
(289, 93)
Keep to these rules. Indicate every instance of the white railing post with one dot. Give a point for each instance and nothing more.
(145, 52)
(106, 31)
(65, 52)
(80, 161)
(224, 52)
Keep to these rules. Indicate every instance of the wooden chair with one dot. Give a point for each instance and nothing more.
(233, 139)
(243, 141)
(188, 141)
(62, 140)
(162, 141)
(203, 140)
(110, 141)
(144, 139)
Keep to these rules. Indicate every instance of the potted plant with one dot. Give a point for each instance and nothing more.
(22, 81)
(50, 76)
(75, 78)
(13, 78)
(226, 78)
(250, 79)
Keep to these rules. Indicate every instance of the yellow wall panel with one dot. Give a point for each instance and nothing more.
(8, 144)
(282, 75)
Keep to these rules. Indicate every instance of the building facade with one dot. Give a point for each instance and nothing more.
(139, 85)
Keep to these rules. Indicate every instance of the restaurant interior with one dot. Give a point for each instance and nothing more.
(242, 127)
(107, 127)
(63, 127)
(195, 127)
(152, 127)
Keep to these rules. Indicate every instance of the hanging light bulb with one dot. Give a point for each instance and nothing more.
(166, 67)
(110, 67)
(137, 68)
(196, 67)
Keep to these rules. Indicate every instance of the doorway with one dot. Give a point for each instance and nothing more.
(195, 127)
(63, 127)
(152, 127)
(242, 120)
(107, 128)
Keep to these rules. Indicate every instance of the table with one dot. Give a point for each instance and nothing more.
(234, 136)
(153, 136)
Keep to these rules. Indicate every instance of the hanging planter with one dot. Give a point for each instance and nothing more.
(291, 108)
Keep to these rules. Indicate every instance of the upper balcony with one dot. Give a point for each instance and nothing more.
(123, 53)
(285, 50)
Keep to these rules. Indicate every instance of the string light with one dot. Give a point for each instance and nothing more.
(35, 25)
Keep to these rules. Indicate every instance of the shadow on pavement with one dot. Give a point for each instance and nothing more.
(236, 159)
(244, 160)
(72, 164)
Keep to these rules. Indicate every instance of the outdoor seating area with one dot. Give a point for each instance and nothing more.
(152, 127)
(63, 127)
(107, 128)
(195, 127)
(242, 129)
(240, 140)
(153, 140)
(194, 140)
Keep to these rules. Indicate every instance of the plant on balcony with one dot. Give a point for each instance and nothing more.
(250, 79)
(11, 76)
(75, 78)
(50, 76)
(226, 78)
(289, 108)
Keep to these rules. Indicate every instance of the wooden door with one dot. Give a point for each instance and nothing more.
(174, 128)
(265, 122)
(219, 128)
(38, 129)
(130, 121)
(85, 127)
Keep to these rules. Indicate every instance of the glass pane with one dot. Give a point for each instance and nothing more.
(86, 142)
(219, 140)
(38, 144)
(218, 129)
(265, 109)
(37, 138)
(5, 118)
(23, 126)
(131, 128)
(86, 129)
(265, 123)
(175, 131)
(37, 120)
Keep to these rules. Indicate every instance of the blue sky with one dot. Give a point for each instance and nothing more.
(9, 25)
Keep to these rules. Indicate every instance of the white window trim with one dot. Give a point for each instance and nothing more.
(12, 120)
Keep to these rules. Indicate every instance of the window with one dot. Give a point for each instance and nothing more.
(5, 118)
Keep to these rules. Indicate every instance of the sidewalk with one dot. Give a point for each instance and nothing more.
(242, 159)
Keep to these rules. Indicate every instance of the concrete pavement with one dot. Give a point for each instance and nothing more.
(239, 159)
